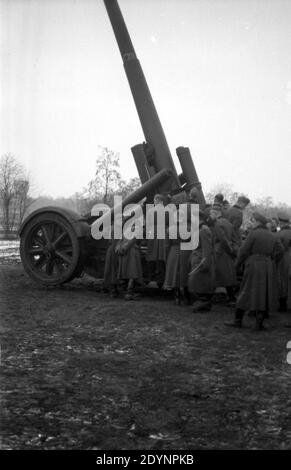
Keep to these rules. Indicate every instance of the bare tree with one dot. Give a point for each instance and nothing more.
(127, 187)
(14, 188)
(107, 176)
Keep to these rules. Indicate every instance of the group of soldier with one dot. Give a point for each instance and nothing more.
(253, 270)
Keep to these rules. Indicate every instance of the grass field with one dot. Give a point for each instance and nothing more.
(80, 370)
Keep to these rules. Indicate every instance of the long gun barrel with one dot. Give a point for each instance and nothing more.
(189, 172)
(154, 155)
(136, 196)
(149, 119)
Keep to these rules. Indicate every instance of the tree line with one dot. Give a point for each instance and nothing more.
(16, 202)
(14, 193)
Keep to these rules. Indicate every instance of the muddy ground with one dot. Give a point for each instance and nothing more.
(80, 370)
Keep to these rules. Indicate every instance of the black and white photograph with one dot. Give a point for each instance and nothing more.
(145, 228)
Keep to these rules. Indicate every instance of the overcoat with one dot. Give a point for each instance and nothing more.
(284, 266)
(129, 260)
(224, 251)
(202, 275)
(235, 216)
(156, 248)
(258, 286)
(177, 266)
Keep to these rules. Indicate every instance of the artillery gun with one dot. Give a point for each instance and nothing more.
(56, 244)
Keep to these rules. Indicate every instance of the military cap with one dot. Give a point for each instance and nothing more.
(219, 198)
(283, 216)
(260, 218)
(193, 193)
(245, 200)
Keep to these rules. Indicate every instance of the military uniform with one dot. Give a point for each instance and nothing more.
(235, 216)
(130, 268)
(201, 278)
(177, 269)
(224, 250)
(156, 254)
(111, 267)
(156, 250)
(257, 291)
(284, 269)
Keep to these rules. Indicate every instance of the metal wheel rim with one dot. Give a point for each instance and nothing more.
(49, 249)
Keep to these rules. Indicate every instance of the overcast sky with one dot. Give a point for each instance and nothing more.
(219, 72)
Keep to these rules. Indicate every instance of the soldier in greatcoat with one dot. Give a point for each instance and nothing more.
(129, 269)
(235, 216)
(156, 250)
(218, 198)
(284, 267)
(111, 269)
(225, 250)
(177, 267)
(202, 275)
(257, 292)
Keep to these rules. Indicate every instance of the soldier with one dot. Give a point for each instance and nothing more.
(218, 198)
(284, 267)
(156, 251)
(257, 288)
(225, 251)
(235, 216)
(193, 196)
(111, 269)
(177, 269)
(202, 275)
(130, 269)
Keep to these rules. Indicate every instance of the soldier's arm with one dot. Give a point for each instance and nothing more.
(246, 249)
(278, 251)
(234, 243)
(237, 221)
(206, 246)
(223, 240)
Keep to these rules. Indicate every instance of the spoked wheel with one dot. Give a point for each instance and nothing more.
(49, 249)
